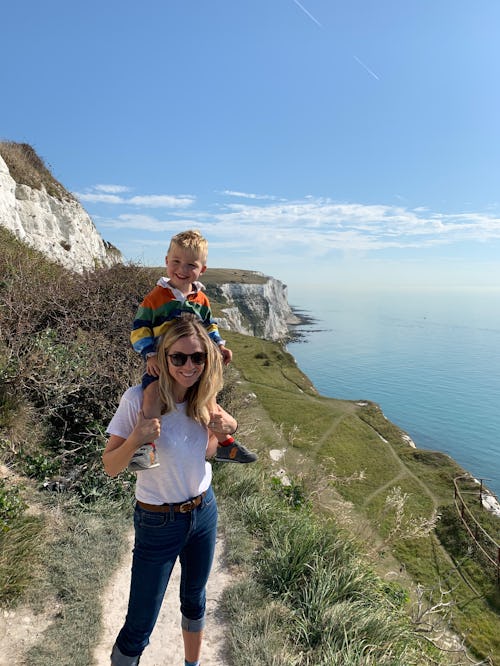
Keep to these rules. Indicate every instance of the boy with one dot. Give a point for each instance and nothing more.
(179, 292)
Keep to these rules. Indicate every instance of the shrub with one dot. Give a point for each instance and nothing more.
(452, 533)
(12, 506)
(293, 493)
(39, 466)
(66, 352)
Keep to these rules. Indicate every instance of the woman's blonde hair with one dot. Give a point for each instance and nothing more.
(204, 392)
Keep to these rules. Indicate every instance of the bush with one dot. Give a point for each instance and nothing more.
(11, 506)
(452, 533)
(66, 352)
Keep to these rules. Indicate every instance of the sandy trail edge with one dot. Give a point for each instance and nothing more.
(166, 640)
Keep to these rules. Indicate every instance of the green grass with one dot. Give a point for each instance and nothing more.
(434, 469)
(262, 362)
(472, 615)
(20, 558)
(309, 598)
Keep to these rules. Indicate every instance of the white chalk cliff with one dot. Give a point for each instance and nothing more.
(261, 310)
(61, 229)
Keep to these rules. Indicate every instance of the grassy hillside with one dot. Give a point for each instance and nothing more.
(341, 565)
(396, 500)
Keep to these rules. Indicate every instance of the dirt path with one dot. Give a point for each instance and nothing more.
(404, 471)
(165, 648)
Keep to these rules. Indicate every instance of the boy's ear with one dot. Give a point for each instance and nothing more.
(203, 270)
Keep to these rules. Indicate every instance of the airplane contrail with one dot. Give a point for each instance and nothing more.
(307, 13)
(370, 71)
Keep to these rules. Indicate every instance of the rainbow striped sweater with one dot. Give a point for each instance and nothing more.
(163, 304)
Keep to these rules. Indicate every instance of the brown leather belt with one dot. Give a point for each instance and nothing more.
(182, 507)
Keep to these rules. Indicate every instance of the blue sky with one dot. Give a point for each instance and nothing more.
(351, 142)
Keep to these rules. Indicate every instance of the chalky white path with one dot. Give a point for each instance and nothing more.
(165, 647)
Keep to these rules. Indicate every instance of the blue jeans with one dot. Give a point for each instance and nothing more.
(159, 539)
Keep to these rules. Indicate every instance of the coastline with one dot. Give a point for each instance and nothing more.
(305, 318)
(489, 499)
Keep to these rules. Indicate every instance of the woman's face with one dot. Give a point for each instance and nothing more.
(187, 374)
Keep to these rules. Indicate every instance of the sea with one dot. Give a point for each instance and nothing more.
(430, 359)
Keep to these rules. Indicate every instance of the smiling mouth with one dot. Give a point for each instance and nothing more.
(190, 374)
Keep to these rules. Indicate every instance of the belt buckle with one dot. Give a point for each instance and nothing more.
(186, 507)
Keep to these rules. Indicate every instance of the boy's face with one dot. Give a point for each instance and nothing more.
(183, 267)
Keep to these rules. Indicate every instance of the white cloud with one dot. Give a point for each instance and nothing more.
(92, 197)
(276, 230)
(250, 195)
(136, 222)
(112, 189)
(109, 194)
(145, 223)
(365, 226)
(162, 201)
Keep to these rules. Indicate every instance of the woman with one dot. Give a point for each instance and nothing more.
(176, 512)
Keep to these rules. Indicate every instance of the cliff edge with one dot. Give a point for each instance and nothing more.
(251, 303)
(40, 212)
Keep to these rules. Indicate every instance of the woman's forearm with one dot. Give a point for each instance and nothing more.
(119, 451)
(118, 454)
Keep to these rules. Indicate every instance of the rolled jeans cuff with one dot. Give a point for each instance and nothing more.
(192, 625)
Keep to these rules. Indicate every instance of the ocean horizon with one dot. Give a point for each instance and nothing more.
(430, 360)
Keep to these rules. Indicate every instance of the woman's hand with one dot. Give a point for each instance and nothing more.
(119, 451)
(147, 430)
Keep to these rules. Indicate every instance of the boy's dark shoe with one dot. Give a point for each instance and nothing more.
(144, 458)
(234, 452)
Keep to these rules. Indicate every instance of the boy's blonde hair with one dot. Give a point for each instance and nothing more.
(193, 241)
(202, 394)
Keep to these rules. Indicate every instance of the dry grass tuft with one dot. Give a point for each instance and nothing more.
(27, 168)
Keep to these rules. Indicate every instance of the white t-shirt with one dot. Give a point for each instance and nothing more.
(183, 472)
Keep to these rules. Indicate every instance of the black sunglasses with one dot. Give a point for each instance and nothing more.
(179, 358)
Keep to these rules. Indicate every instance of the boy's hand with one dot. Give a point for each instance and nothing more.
(152, 366)
(147, 430)
(221, 421)
(227, 354)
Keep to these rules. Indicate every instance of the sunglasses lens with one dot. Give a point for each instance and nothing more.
(199, 358)
(179, 359)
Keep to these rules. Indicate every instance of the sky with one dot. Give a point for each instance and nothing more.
(351, 143)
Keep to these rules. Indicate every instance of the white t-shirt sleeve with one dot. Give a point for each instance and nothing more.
(125, 417)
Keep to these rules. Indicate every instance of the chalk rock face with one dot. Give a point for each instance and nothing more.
(261, 310)
(61, 229)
